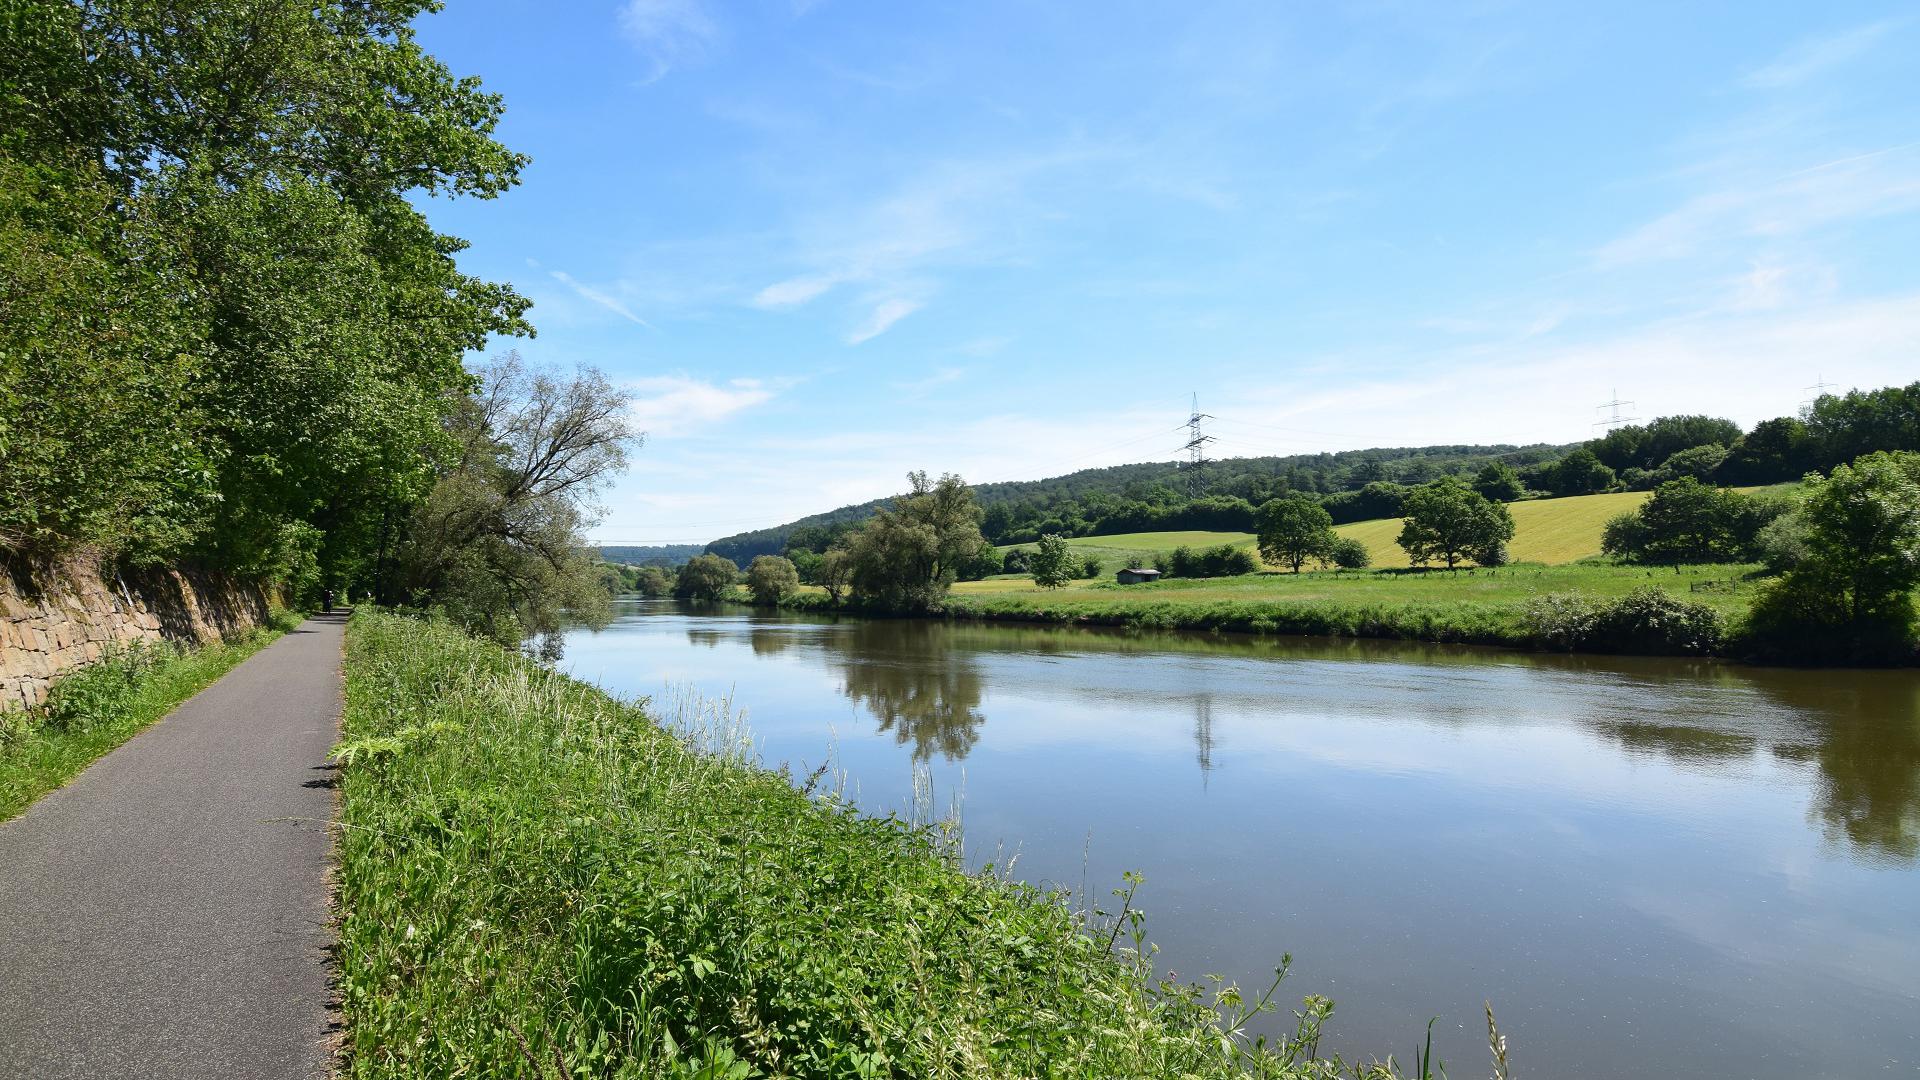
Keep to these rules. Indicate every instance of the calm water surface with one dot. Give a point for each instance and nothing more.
(1649, 867)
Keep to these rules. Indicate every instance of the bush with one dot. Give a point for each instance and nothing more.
(1783, 542)
(1349, 554)
(1647, 620)
(1091, 567)
(102, 692)
(1016, 561)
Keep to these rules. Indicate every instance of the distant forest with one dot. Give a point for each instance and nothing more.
(1360, 485)
(1154, 495)
(654, 555)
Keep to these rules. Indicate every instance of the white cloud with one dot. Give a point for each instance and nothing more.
(669, 32)
(884, 315)
(939, 377)
(1875, 184)
(676, 404)
(587, 292)
(794, 291)
(1812, 57)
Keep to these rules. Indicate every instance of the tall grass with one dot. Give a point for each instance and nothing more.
(540, 881)
(96, 708)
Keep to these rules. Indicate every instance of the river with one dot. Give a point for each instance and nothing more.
(1649, 867)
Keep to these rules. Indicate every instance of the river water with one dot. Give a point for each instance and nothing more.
(1649, 867)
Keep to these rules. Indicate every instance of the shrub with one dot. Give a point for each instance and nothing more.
(1091, 567)
(1349, 554)
(101, 693)
(1783, 543)
(1647, 620)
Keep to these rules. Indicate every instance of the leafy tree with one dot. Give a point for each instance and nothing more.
(836, 569)
(1091, 567)
(1684, 521)
(1844, 427)
(705, 577)
(1647, 446)
(1450, 521)
(1017, 561)
(1050, 566)
(771, 578)
(1775, 450)
(1293, 529)
(1499, 482)
(1349, 554)
(497, 542)
(653, 581)
(1580, 473)
(910, 553)
(1696, 462)
(1370, 503)
(1851, 595)
(264, 331)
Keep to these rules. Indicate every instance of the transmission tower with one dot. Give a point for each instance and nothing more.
(1615, 419)
(1196, 448)
(1820, 387)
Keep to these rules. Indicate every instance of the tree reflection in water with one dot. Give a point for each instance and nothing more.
(924, 692)
(1868, 754)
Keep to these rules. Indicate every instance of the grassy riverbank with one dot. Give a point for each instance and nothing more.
(540, 881)
(97, 708)
(1518, 606)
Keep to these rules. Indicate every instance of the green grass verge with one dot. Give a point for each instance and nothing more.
(1466, 606)
(538, 880)
(97, 708)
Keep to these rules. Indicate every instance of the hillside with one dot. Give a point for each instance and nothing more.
(1549, 531)
(1060, 503)
(656, 555)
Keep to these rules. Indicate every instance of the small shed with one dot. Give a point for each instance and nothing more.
(1133, 575)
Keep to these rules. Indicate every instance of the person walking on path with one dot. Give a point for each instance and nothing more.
(165, 914)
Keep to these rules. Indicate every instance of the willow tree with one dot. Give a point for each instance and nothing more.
(498, 541)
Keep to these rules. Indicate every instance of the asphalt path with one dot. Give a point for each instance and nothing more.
(165, 914)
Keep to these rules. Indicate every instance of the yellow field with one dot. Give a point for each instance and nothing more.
(1551, 531)
(1548, 531)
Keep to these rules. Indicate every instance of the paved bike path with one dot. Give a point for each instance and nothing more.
(165, 914)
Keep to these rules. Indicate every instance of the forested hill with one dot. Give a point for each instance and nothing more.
(1079, 502)
(650, 555)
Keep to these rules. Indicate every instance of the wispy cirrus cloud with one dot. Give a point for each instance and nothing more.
(882, 318)
(953, 213)
(1814, 56)
(669, 32)
(592, 295)
(1878, 183)
(937, 378)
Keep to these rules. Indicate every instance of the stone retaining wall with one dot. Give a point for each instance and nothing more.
(56, 617)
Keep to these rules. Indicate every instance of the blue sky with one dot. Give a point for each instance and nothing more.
(827, 242)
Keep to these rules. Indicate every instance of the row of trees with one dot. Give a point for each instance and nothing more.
(1834, 429)
(228, 336)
